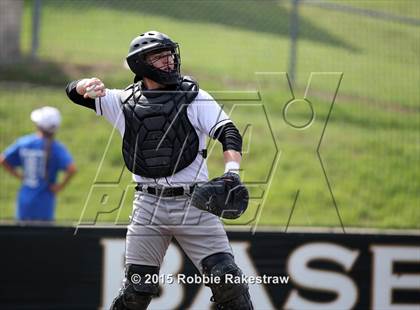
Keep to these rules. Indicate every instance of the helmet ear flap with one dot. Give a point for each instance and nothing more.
(134, 61)
(131, 62)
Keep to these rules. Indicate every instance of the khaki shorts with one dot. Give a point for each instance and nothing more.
(156, 220)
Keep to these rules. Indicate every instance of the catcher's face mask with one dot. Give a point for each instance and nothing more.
(162, 60)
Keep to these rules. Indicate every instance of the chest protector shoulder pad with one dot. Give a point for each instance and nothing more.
(159, 139)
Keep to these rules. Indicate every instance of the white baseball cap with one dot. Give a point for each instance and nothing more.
(47, 118)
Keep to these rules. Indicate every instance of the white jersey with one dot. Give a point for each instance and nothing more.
(205, 115)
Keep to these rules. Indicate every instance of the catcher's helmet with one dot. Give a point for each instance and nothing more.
(148, 42)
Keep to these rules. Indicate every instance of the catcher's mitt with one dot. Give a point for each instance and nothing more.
(224, 196)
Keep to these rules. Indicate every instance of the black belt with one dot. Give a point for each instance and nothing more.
(165, 191)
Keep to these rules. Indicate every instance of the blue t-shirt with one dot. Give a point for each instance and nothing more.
(35, 201)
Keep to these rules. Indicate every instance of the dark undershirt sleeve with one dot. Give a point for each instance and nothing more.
(229, 137)
(79, 99)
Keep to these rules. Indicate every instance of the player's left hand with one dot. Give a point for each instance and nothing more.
(224, 196)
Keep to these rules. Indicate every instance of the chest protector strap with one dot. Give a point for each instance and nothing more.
(159, 139)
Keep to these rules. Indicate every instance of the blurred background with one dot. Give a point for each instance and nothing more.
(355, 165)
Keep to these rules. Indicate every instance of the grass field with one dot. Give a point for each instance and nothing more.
(370, 148)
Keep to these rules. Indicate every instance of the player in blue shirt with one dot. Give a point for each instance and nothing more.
(36, 159)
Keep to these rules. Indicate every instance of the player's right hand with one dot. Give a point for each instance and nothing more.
(91, 88)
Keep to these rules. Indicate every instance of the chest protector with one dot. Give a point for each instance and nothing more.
(159, 139)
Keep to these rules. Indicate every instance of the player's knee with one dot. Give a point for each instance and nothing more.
(117, 303)
(227, 294)
(136, 293)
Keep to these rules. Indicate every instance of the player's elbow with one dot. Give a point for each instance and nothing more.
(71, 169)
(2, 160)
(230, 138)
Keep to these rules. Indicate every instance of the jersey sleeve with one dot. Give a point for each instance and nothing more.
(11, 155)
(64, 157)
(109, 107)
(209, 114)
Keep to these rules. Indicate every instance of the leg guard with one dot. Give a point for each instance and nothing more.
(227, 295)
(135, 293)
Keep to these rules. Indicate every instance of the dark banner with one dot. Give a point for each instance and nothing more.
(51, 268)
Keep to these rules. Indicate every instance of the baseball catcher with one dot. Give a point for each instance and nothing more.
(164, 119)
